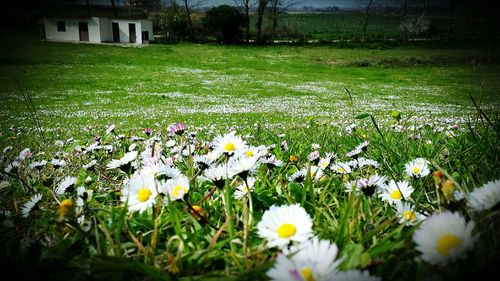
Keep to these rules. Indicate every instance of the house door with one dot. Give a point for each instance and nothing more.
(83, 28)
(145, 37)
(116, 32)
(131, 32)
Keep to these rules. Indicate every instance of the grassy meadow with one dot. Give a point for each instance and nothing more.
(373, 148)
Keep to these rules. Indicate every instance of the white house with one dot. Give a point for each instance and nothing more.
(96, 28)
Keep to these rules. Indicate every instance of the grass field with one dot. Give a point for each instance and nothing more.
(200, 84)
(314, 128)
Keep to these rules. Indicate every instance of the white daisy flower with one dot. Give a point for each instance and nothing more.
(395, 192)
(407, 214)
(229, 144)
(316, 173)
(284, 224)
(355, 275)
(363, 145)
(7, 149)
(417, 168)
(58, 163)
(177, 187)
(90, 164)
(364, 162)
(38, 164)
(202, 161)
(84, 193)
(28, 206)
(110, 128)
(298, 176)
(166, 172)
(66, 183)
(353, 153)
(444, 237)
(218, 174)
(315, 146)
(255, 151)
(242, 165)
(124, 162)
(242, 189)
(140, 191)
(59, 143)
(132, 147)
(324, 163)
(314, 260)
(351, 186)
(9, 167)
(271, 160)
(485, 197)
(341, 168)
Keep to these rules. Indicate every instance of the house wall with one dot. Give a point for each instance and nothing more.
(72, 32)
(124, 31)
(147, 25)
(106, 30)
(94, 30)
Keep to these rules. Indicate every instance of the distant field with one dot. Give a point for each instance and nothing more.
(349, 26)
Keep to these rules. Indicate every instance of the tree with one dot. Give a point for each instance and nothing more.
(278, 7)
(245, 4)
(226, 21)
(367, 15)
(175, 21)
(260, 16)
(189, 6)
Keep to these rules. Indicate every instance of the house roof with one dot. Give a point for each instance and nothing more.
(81, 11)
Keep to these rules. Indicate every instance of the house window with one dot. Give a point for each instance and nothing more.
(61, 26)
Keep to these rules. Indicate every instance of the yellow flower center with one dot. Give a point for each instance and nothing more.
(178, 189)
(293, 158)
(341, 170)
(448, 242)
(396, 195)
(409, 215)
(286, 230)
(66, 203)
(307, 274)
(249, 153)
(65, 208)
(416, 170)
(143, 194)
(229, 147)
